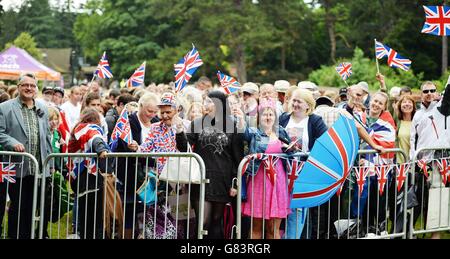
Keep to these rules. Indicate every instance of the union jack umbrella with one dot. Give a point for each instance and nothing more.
(7, 172)
(229, 84)
(382, 173)
(402, 170)
(393, 58)
(361, 175)
(137, 79)
(186, 67)
(344, 70)
(437, 20)
(444, 168)
(103, 69)
(329, 163)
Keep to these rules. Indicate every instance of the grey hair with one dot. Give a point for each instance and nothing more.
(23, 75)
(148, 98)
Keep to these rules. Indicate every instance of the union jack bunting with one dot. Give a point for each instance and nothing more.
(137, 79)
(270, 166)
(444, 168)
(393, 58)
(103, 69)
(423, 164)
(229, 84)
(294, 167)
(402, 170)
(7, 172)
(361, 175)
(437, 20)
(344, 70)
(186, 67)
(257, 156)
(122, 129)
(382, 172)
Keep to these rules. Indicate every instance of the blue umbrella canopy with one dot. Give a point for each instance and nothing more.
(328, 165)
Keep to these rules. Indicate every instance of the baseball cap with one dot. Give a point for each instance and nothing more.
(168, 99)
(343, 91)
(47, 89)
(364, 85)
(324, 100)
(281, 86)
(58, 89)
(250, 88)
(307, 85)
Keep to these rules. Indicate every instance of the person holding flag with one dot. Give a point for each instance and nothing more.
(85, 178)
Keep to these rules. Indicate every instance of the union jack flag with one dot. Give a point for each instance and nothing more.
(394, 59)
(423, 164)
(186, 67)
(64, 130)
(137, 79)
(361, 175)
(270, 164)
(382, 173)
(294, 167)
(344, 70)
(444, 169)
(84, 136)
(7, 172)
(380, 51)
(401, 174)
(249, 158)
(122, 129)
(103, 69)
(437, 20)
(229, 84)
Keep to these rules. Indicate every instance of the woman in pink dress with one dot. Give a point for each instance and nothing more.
(267, 195)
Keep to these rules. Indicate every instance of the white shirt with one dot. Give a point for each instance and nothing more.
(299, 130)
(144, 131)
(433, 131)
(72, 113)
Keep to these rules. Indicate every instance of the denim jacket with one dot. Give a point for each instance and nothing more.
(258, 141)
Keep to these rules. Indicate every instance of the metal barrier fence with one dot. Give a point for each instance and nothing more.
(431, 184)
(373, 213)
(19, 180)
(128, 202)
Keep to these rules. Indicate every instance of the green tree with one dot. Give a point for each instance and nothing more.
(26, 41)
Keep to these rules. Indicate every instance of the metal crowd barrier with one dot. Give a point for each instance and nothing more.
(432, 193)
(16, 207)
(336, 218)
(164, 215)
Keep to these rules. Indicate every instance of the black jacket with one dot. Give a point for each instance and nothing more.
(221, 151)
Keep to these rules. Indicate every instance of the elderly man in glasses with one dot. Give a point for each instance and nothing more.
(24, 127)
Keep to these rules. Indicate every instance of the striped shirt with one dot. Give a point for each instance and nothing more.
(31, 125)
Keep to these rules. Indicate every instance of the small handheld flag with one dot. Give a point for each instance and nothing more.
(344, 70)
(393, 58)
(437, 20)
(137, 79)
(186, 67)
(229, 84)
(122, 129)
(103, 69)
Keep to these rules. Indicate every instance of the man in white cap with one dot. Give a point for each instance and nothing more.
(365, 87)
(308, 85)
(281, 86)
(250, 100)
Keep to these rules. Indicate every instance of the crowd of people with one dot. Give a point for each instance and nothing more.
(220, 128)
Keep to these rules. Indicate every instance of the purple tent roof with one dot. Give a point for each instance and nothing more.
(15, 61)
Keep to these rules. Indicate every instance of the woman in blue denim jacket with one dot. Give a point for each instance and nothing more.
(267, 194)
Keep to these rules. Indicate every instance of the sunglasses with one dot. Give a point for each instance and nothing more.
(429, 91)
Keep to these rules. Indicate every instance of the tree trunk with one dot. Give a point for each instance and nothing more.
(329, 21)
(283, 57)
(444, 55)
(240, 63)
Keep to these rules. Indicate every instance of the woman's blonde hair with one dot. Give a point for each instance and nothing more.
(306, 96)
(53, 113)
(386, 104)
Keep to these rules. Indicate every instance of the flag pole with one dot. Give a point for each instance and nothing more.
(376, 59)
(345, 81)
